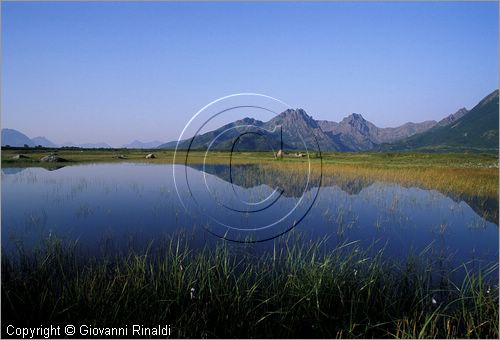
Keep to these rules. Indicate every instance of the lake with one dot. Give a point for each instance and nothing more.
(138, 203)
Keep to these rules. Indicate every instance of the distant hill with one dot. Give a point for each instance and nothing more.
(142, 145)
(95, 146)
(44, 142)
(87, 145)
(15, 138)
(475, 130)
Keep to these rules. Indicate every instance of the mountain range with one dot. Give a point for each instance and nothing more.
(476, 129)
(16, 138)
(137, 144)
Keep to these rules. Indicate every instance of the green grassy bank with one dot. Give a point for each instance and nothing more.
(297, 291)
(386, 159)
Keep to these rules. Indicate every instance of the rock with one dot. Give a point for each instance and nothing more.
(53, 158)
(299, 154)
(20, 157)
(120, 156)
(280, 153)
(150, 156)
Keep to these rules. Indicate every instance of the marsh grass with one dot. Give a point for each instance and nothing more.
(458, 173)
(460, 180)
(298, 289)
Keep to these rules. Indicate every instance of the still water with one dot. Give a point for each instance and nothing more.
(92, 203)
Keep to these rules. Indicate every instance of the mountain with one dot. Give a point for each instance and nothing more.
(95, 146)
(15, 138)
(142, 145)
(453, 117)
(294, 124)
(354, 133)
(87, 145)
(44, 142)
(297, 123)
(475, 130)
(233, 129)
(463, 130)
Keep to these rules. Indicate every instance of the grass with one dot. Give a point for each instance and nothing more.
(462, 173)
(477, 181)
(292, 291)
(394, 159)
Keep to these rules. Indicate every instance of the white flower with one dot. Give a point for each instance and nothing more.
(434, 302)
(192, 294)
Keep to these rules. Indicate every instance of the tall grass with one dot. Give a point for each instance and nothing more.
(466, 176)
(481, 182)
(291, 291)
(459, 173)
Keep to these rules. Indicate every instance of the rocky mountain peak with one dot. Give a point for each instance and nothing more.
(355, 117)
(357, 122)
(295, 116)
(453, 117)
(248, 121)
(295, 113)
(491, 97)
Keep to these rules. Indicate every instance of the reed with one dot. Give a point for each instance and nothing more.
(458, 173)
(299, 289)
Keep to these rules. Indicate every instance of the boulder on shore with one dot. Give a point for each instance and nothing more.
(279, 154)
(16, 157)
(53, 158)
(150, 156)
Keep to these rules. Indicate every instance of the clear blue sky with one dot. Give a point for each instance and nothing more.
(115, 72)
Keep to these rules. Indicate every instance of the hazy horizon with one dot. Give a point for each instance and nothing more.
(119, 72)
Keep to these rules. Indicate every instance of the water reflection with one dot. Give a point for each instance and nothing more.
(93, 203)
(12, 171)
(251, 175)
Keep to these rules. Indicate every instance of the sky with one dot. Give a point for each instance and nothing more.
(115, 72)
